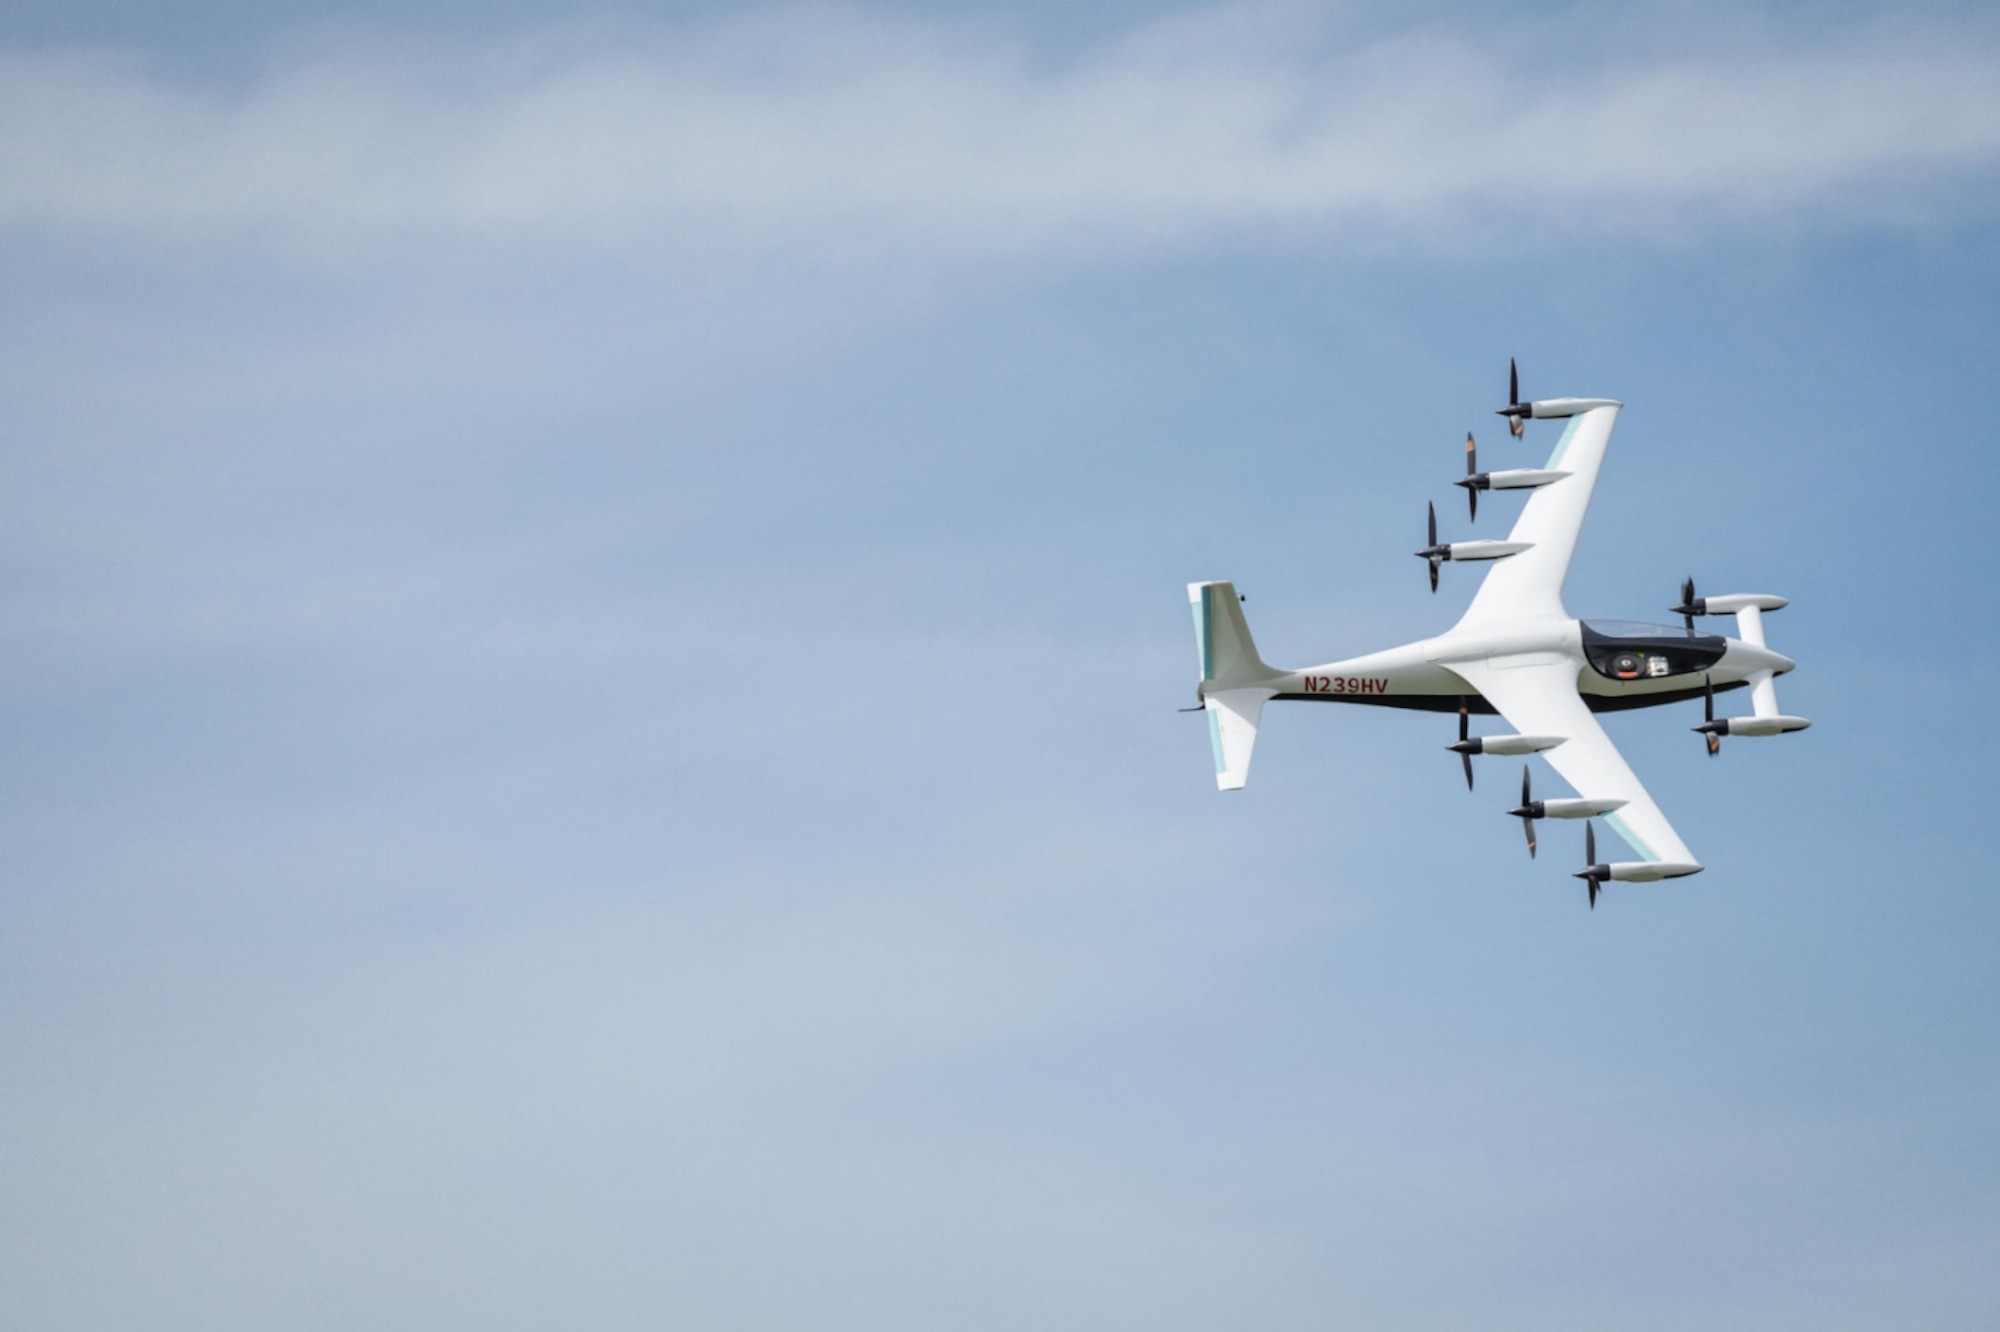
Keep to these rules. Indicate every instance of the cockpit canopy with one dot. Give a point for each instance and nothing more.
(1630, 650)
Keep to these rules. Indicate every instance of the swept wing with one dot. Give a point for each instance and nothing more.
(1535, 690)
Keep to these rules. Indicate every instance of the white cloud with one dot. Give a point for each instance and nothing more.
(803, 122)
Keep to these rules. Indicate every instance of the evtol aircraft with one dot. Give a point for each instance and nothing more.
(1518, 653)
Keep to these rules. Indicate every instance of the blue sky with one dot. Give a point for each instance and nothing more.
(594, 605)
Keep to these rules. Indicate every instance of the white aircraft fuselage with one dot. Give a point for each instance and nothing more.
(1519, 654)
(1419, 675)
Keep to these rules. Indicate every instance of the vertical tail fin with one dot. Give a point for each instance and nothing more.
(1235, 682)
(1222, 637)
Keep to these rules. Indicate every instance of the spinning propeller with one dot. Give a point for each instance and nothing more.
(1592, 873)
(1515, 410)
(1527, 811)
(1710, 728)
(1472, 480)
(1690, 606)
(1435, 553)
(1466, 746)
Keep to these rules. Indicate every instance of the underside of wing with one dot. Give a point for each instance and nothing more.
(1541, 699)
(1529, 584)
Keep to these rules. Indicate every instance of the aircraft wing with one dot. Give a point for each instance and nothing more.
(1538, 696)
(1529, 584)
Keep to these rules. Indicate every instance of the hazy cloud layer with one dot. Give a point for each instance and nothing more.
(1178, 131)
(555, 773)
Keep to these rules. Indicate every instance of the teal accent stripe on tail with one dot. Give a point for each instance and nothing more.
(1204, 633)
(1215, 739)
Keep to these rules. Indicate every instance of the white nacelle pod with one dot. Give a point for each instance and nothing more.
(1573, 807)
(1555, 408)
(1651, 871)
(1518, 744)
(1778, 724)
(1485, 550)
(1736, 601)
(1522, 478)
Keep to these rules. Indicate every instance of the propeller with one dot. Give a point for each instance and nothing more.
(1710, 728)
(1472, 481)
(1527, 811)
(1466, 746)
(1434, 552)
(1690, 606)
(1592, 873)
(1515, 409)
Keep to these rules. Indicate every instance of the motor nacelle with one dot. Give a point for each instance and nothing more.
(1731, 603)
(1522, 478)
(1567, 807)
(1480, 550)
(1513, 478)
(1507, 744)
(1437, 552)
(1555, 408)
(1773, 725)
(1650, 871)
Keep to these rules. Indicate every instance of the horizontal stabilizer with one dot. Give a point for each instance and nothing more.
(1232, 727)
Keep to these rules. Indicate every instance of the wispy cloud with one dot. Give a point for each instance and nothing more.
(801, 121)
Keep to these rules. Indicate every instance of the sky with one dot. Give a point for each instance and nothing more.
(593, 609)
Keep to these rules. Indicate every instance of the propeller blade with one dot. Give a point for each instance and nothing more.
(1464, 735)
(1686, 608)
(1526, 811)
(1471, 469)
(1592, 874)
(1527, 820)
(1432, 553)
(1514, 423)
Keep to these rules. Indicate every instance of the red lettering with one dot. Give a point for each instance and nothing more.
(1342, 684)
